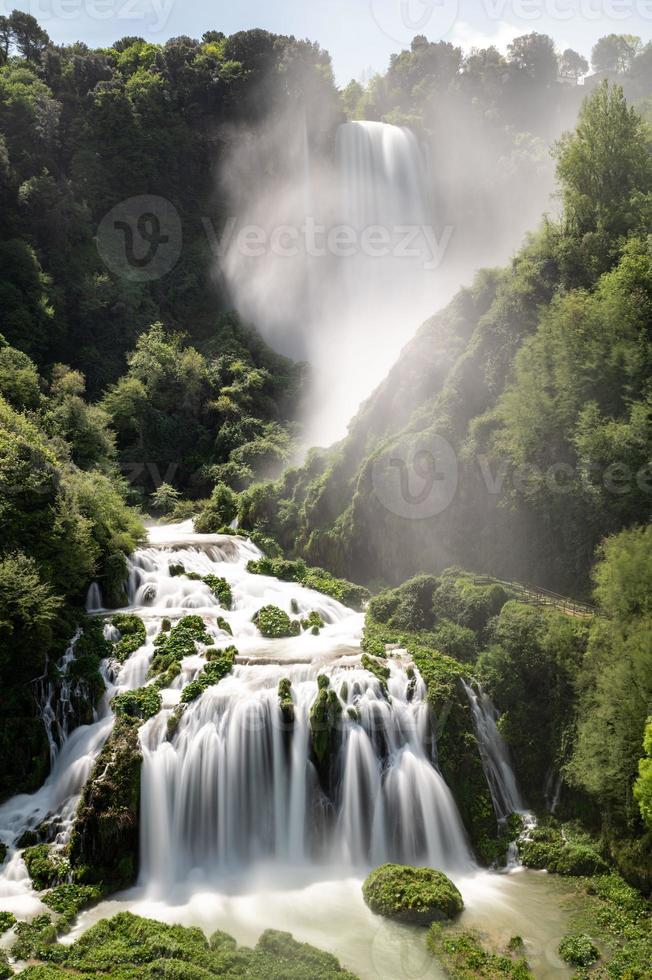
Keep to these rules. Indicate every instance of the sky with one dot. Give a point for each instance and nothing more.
(359, 34)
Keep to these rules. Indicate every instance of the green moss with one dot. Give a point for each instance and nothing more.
(220, 664)
(7, 920)
(142, 703)
(325, 717)
(579, 950)
(45, 867)
(379, 670)
(104, 844)
(313, 622)
(166, 625)
(464, 957)
(173, 647)
(35, 939)
(5, 969)
(223, 625)
(548, 848)
(354, 596)
(173, 721)
(132, 635)
(274, 623)
(68, 900)
(176, 569)
(409, 894)
(285, 699)
(220, 589)
(128, 947)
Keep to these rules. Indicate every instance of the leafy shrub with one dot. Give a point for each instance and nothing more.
(409, 894)
(220, 664)
(318, 579)
(173, 647)
(220, 589)
(45, 867)
(274, 623)
(7, 920)
(578, 950)
(143, 703)
(132, 635)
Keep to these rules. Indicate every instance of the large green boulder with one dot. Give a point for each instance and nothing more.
(409, 894)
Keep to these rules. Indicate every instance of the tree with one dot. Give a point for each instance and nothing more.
(643, 785)
(605, 167)
(28, 36)
(614, 53)
(572, 65)
(534, 55)
(164, 498)
(5, 39)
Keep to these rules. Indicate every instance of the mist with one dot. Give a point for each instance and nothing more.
(344, 236)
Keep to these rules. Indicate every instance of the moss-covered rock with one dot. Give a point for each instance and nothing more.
(377, 668)
(579, 950)
(141, 703)
(128, 947)
(69, 899)
(274, 623)
(348, 593)
(220, 664)
(548, 849)
(409, 894)
(313, 622)
(464, 956)
(45, 866)
(104, 844)
(173, 647)
(220, 589)
(285, 700)
(7, 921)
(325, 728)
(132, 635)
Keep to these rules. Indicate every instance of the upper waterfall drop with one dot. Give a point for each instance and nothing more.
(383, 175)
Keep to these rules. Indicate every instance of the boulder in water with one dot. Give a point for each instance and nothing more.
(408, 894)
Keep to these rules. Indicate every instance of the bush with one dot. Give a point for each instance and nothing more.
(409, 894)
(44, 866)
(220, 510)
(318, 579)
(274, 623)
(220, 589)
(7, 921)
(578, 950)
(132, 635)
(143, 703)
(464, 958)
(220, 664)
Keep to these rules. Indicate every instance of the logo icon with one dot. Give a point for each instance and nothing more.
(140, 238)
(400, 20)
(416, 479)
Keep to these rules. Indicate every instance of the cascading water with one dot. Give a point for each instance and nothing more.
(237, 784)
(496, 763)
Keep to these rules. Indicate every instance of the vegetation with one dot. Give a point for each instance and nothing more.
(132, 635)
(220, 664)
(130, 947)
(407, 894)
(578, 950)
(141, 703)
(313, 578)
(465, 957)
(175, 644)
(104, 845)
(274, 623)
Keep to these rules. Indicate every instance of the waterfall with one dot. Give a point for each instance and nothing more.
(94, 601)
(496, 763)
(236, 783)
(383, 175)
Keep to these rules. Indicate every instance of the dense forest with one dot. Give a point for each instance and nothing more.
(525, 402)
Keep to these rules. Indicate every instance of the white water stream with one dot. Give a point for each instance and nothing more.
(237, 830)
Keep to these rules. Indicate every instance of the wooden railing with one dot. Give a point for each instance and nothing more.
(535, 596)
